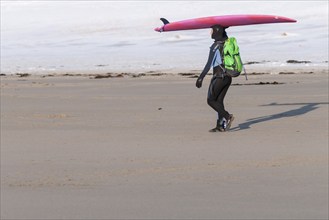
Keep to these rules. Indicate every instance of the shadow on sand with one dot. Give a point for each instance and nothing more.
(303, 109)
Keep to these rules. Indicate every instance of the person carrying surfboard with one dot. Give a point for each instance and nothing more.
(223, 49)
(220, 81)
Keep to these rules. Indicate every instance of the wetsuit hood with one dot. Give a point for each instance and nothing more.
(218, 33)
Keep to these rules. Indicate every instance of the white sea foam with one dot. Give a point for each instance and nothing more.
(39, 36)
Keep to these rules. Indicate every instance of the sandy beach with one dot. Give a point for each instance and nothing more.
(123, 147)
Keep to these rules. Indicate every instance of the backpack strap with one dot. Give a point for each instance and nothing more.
(245, 73)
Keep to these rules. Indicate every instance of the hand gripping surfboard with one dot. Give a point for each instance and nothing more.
(224, 21)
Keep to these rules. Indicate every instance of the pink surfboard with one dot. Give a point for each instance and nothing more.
(224, 21)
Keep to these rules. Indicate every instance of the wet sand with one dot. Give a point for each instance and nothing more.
(76, 147)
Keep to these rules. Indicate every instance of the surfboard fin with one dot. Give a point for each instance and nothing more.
(165, 21)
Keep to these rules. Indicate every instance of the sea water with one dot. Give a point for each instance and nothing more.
(118, 36)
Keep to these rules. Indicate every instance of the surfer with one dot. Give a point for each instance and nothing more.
(220, 81)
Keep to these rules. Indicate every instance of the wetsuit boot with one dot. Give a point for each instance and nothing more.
(217, 128)
(229, 122)
(226, 123)
(223, 124)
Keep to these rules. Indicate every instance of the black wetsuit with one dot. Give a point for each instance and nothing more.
(219, 83)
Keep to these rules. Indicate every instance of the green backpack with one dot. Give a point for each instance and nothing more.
(232, 59)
